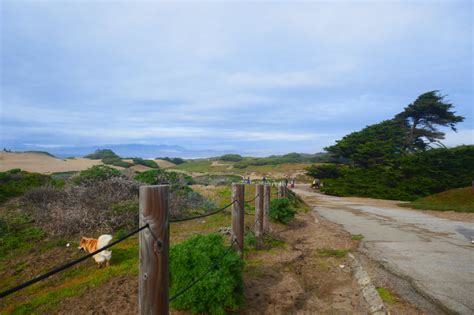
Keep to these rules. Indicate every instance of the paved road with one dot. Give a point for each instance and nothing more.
(435, 254)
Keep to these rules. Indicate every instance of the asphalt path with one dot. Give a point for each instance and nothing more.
(434, 254)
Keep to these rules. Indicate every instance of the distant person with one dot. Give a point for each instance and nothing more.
(264, 180)
(248, 180)
(293, 183)
(286, 181)
(313, 184)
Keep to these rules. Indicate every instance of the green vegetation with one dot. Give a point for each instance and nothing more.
(357, 237)
(101, 154)
(231, 158)
(97, 172)
(329, 252)
(116, 161)
(176, 160)
(108, 157)
(210, 179)
(219, 291)
(387, 296)
(149, 163)
(198, 166)
(281, 210)
(15, 182)
(395, 159)
(16, 233)
(415, 175)
(459, 200)
(282, 159)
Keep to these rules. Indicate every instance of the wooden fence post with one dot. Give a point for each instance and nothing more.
(238, 194)
(259, 214)
(281, 190)
(154, 274)
(266, 208)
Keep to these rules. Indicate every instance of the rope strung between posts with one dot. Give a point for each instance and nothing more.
(203, 215)
(68, 265)
(247, 201)
(212, 267)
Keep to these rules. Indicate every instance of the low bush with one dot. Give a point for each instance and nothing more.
(116, 161)
(281, 210)
(217, 180)
(231, 158)
(96, 172)
(15, 182)
(410, 177)
(219, 291)
(101, 154)
(149, 163)
(91, 207)
(176, 161)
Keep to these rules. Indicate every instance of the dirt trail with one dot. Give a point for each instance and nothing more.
(293, 279)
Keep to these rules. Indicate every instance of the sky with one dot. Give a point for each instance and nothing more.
(254, 78)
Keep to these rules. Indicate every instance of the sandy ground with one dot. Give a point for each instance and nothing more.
(164, 163)
(42, 163)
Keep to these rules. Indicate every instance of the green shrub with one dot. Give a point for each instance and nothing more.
(15, 182)
(411, 177)
(101, 154)
(281, 210)
(97, 172)
(125, 206)
(250, 241)
(176, 161)
(220, 290)
(116, 161)
(149, 163)
(231, 158)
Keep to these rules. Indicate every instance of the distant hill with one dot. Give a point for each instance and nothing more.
(125, 150)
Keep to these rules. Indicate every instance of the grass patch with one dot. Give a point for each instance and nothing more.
(196, 166)
(357, 237)
(46, 296)
(387, 296)
(459, 200)
(329, 252)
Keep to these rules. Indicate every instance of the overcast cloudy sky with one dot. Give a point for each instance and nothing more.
(254, 78)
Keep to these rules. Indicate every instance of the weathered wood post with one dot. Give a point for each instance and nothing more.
(238, 191)
(281, 190)
(259, 214)
(266, 208)
(154, 275)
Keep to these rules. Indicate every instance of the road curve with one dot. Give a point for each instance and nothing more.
(435, 254)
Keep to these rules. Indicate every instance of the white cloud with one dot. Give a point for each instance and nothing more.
(463, 136)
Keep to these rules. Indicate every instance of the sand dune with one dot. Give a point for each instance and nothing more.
(164, 163)
(42, 163)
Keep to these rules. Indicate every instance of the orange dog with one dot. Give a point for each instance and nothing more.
(91, 245)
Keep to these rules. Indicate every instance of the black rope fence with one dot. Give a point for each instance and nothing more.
(203, 215)
(70, 264)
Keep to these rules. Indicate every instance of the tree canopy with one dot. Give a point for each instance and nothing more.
(414, 129)
(423, 116)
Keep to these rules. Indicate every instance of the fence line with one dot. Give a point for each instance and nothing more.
(160, 244)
